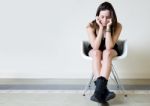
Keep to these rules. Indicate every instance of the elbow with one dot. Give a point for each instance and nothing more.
(109, 47)
(95, 46)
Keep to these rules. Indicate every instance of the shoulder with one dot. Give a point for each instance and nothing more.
(119, 25)
(91, 25)
(118, 28)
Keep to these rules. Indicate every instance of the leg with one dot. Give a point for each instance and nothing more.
(107, 62)
(101, 93)
(96, 62)
(96, 65)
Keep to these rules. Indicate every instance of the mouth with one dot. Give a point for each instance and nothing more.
(104, 24)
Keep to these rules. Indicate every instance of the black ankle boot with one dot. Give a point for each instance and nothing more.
(102, 94)
(109, 95)
(99, 93)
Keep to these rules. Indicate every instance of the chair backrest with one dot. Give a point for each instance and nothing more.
(121, 43)
(85, 47)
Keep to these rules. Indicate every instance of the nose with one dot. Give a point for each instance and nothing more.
(105, 20)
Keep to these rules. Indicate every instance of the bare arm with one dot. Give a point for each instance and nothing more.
(110, 41)
(94, 41)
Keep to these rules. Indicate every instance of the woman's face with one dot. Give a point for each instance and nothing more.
(104, 17)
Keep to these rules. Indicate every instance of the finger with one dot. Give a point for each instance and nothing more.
(97, 18)
(110, 19)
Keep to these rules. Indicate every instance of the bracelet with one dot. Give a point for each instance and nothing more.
(108, 30)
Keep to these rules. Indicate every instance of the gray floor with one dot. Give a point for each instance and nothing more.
(16, 92)
(67, 84)
(68, 99)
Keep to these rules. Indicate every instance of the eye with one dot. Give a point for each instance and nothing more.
(108, 17)
(102, 17)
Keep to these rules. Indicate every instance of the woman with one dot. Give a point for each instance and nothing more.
(103, 33)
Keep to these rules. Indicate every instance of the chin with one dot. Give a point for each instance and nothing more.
(104, 25)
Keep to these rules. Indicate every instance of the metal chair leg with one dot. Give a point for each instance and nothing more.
(88, 85)
(116, 78)
(118, 82)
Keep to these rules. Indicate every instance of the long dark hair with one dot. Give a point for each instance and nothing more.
(108, 6)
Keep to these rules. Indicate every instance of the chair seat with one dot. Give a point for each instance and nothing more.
(122, 48)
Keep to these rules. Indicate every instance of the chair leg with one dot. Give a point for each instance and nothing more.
(118, 82)
(115, 78)
(88, 85)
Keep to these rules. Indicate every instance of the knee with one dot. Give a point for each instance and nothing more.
(96, 53)
(107, 53)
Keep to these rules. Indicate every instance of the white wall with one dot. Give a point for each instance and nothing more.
(41, 38)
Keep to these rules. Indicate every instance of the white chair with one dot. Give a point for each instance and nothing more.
(122, 48)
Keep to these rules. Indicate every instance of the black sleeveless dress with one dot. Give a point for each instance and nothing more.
(103, 47)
